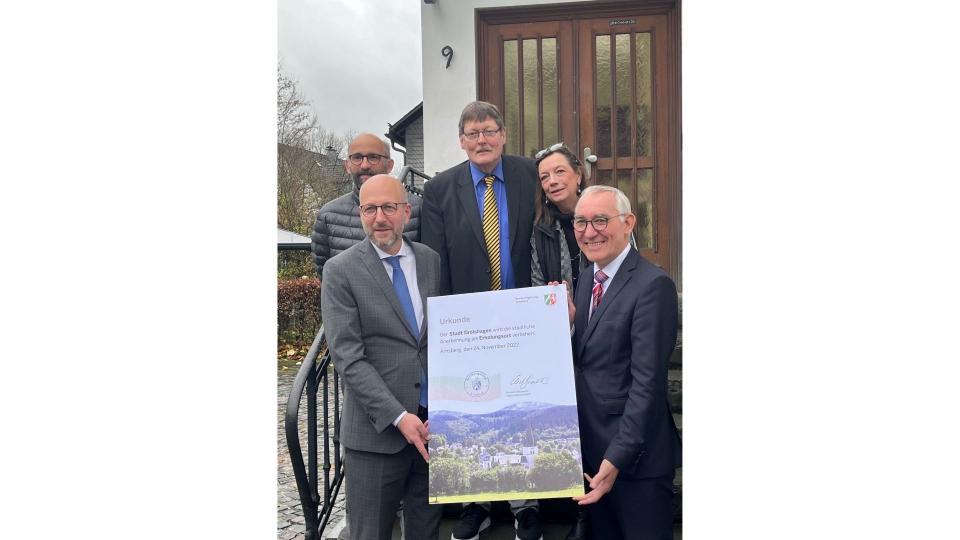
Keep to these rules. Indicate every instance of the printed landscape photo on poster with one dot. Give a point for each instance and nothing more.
(502, 398)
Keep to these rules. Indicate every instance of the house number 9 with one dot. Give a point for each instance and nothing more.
(447, 52)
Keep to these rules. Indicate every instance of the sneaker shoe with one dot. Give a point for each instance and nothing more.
(528, 525)
(473, 521)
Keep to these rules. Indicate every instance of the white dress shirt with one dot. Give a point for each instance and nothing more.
(610, 270)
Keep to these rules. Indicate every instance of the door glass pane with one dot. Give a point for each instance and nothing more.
(604, 177)
(643, 208)
(625, 184)
(622, 76)
(531, 98)
(603, 97)
(551, 116)
(511, 96)
(644, 96)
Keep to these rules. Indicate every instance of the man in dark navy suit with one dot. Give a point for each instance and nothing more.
(625, 330)
(478, 216)
(453, 222)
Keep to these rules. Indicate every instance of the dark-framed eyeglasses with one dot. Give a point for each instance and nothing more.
(599, 223)
(487, 134)
(373, 159)
(547, 150)
(388, 209)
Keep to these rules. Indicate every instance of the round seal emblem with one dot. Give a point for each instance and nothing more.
(476, 384)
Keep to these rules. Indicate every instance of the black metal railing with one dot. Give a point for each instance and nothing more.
(313, 378)
(408, 176)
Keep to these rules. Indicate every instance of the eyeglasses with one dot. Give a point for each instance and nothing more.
(487, 134)
(599, 223)
(373, 159)
(388, 209)
(548, 150)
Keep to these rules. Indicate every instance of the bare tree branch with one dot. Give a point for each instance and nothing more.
(309, 167)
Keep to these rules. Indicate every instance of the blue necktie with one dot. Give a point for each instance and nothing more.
(403, 294)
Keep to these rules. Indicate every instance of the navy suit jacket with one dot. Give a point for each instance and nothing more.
(620, 359)
(450, 224)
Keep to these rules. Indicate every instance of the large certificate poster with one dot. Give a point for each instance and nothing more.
(502, 399)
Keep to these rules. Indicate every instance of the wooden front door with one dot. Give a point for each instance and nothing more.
(604, 79)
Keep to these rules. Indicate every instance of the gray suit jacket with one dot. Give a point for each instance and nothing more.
(371, 345)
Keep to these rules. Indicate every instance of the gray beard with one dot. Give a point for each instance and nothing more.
(385, 247)
(356, 178)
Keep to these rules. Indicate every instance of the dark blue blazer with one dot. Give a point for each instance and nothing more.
(450, 224)
(620, 359)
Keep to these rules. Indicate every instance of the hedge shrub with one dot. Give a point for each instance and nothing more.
(298, 309)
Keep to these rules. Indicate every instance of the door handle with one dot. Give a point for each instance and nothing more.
(588, 160)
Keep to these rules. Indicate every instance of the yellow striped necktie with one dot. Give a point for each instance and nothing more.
(491, 231)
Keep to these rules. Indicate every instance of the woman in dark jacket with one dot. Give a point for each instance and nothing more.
(556, 255)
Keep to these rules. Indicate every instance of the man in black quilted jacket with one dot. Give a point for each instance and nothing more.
(338, 222)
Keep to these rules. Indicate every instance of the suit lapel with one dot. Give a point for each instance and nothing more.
(375, 266)
(424, 278)
(514, 196)
(623, 275)
(581, 301)
(467, 195)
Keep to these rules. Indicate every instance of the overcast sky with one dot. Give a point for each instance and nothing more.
(356, 61)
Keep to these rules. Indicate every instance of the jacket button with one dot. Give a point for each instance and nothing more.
(416, 385)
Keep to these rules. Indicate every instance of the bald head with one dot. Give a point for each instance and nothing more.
(369, 141)
(382, 185)
(384, 196)
(364, 150)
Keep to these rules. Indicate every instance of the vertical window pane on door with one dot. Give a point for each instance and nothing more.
(511, 95)
(531, 98)
(626, 185)
(644, 96)
(622, 77)
(643, 209)
(551, 115)
(604, 177)
(603, 97)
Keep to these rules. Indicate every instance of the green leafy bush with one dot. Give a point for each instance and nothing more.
(447, 475)
(554, 471)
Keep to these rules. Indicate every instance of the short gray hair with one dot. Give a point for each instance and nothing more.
(623, 203)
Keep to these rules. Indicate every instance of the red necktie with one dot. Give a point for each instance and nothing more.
(598, 280)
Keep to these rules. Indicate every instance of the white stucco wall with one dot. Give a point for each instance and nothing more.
(447, 91)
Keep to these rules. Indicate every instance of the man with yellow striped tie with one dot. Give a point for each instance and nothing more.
(478, 216)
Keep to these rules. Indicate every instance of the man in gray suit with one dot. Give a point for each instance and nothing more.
(373, 301)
